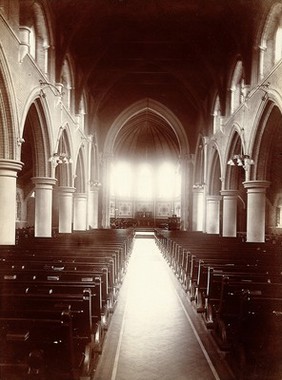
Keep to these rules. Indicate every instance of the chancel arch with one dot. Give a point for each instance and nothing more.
(146, 134)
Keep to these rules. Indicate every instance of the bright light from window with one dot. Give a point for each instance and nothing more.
(121, 179)
(166, 181)
(145, 182)
(32, 42)
(278, 44)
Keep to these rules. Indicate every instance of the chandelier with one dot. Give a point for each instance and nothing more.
(243, 160)
(60, 157)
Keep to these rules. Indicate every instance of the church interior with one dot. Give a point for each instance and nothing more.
(125, 122)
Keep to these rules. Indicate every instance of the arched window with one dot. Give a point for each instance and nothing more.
(278, 43)
(271, 41)
(32, 42)
(166, 181)
(145, 182)
(66, 80)
(121, 179)
(237, 86)
(216, 116)
(34, 32)
(81, 114)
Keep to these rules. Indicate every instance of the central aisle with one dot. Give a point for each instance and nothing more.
(151, 335)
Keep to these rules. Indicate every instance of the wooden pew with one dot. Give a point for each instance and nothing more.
(53, 332)
(245, 312)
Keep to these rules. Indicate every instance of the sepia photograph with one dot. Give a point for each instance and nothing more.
(140, 189)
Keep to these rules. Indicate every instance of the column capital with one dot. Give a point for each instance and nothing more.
(256, 184)
(44, 181)
(198, 190)
(214, 198)
(80, 195)
(230, 193)
(9, 168)
(66, 189)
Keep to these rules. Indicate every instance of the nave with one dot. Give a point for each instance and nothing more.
(154, 333)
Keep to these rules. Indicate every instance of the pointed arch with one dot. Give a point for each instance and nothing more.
(9, 128)
(80, 170)
(235, 175)
(271, 40)
(36, 25)
(199, 172)
(237, 86)
(214, 182)
(267, 142)
(63, 171)
(67, 80)
(154, 107)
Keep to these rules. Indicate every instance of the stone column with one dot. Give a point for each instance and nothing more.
(79, 211)
(186, 167)
(198, 209)
(256, 210)
(213, 214)
(93, 208)
(65, 194)
(229, 225)
(108, 158)
(8, 204)
(43, 206)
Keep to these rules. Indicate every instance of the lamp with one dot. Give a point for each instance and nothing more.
(265, 87)
(243, 160)
(95, 183)
(198, 186)
(20, 141)
(56, 90)
(60, 157)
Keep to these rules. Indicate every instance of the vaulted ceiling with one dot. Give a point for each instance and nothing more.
(178, 53)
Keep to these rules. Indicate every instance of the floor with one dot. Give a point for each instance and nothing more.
(154, 332)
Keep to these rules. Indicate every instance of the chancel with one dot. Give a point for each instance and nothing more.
(140, 189)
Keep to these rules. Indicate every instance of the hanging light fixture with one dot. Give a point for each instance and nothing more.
(243, 160)
(60, 157)
(95, 184)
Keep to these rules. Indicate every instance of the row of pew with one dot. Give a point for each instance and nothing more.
(236, 287)
(57, 298)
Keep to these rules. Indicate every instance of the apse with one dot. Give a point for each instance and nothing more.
(145, 173)
(147, 137)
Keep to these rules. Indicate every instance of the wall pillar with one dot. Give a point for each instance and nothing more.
(213, 214)
(198, 209)
(93, 208)
(186, 170)
(108, 159)
(43, 206)
(229, 225)
(79, 211)
(8, 204)
(65, 194)
(256, 210)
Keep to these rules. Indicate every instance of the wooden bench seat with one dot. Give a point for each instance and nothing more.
(52, 331)
(246, 311)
